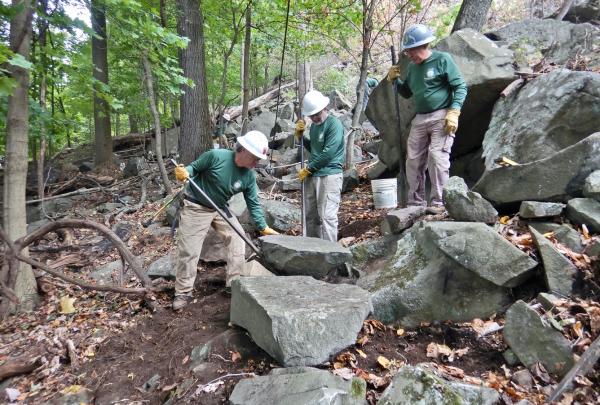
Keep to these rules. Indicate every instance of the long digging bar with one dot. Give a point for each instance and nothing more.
(302, 193)
(224, 216)
(402, 172)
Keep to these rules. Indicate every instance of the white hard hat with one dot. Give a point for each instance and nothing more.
(256, 143)
(314, 102)
(227, 117)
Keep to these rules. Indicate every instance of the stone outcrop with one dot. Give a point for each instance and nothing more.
(585, 211)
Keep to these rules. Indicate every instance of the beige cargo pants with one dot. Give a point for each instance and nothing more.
(194, 223)
(428, 148)
(323, 195)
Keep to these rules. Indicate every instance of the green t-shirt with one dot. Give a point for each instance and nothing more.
(216, 173)
(326, 146)
(434, 84)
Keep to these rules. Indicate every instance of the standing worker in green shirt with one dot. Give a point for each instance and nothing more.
(438, 90)
(220, 173)
(324, 172)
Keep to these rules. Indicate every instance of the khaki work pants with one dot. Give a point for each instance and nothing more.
(194, 224)
(428, 148)
(323, 195)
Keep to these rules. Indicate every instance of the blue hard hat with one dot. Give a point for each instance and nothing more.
(417, 35)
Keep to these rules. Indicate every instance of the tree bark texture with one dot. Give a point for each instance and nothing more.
(21, 281)
(246, 70)
(472, 14)
(151, 98)
(305, 80)
(43, 28)
(195, 135)
(564, 9)
(102, 136)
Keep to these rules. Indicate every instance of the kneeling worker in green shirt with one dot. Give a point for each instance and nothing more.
(220, 173)
(324, 173)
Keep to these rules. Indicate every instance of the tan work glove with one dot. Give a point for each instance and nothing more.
(300, 127)
(181, 173)
(268, 231)
(303, 173)
(393, 73)
(451, 121)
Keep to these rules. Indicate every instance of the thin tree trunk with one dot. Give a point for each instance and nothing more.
(21, 281)
(246, 69)
(163, 13)
(102, 136)
(133, 124)
(43, 88)
(564, 9)
(305, 82)
(195, 135)
(152, 99)
(472, 14)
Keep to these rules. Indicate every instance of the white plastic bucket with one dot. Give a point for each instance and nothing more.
(385, 194)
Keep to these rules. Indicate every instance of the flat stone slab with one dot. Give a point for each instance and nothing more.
(536, 209)
(559, 272)
(298, 320)
(585, 211)
(534, 340)
(463, 204)
(297, 386)
(396, 221)
(564, 233)
(418, 386)
(300, 256)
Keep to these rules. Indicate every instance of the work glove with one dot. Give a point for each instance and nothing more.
(181, 173)
(268, 231)
(303, 173)
(393, 73)
(451, 121)
(300, 127)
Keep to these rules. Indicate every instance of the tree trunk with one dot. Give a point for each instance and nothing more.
(472, 14)
(102, 137)
(17, 127)
(133, 124)
(368, 10)
(194, 136)
(564, 9)
(305, 81)
(152, 99)
(43, 88)
(246, 70)
(163, 13)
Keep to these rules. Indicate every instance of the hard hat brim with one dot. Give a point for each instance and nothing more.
(419, 43)
(324, 102)
(249, 148)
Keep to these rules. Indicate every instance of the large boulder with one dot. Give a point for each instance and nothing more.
(487, 69)
(446, 271)
(297, 386)
(559, 272)
(537, 209)
(534, 340)
(465, 205)
(418, 386)
(281, 215)
(298, 320)
(584, 11)
(549, 114)
(554, 178)
(295, 255)
(263, 121)
(556, 42)
(591, 187)
(585, 211)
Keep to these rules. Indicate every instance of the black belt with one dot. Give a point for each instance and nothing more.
(193, 200)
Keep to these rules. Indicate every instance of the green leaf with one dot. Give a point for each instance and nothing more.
(20, 61)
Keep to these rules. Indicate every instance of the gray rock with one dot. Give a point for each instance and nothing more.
(536, 209)
(151, 384)
(350, 181)
(213, 248)
(534, 340)
(591, 186)
(298, 386)
(396, 221)
(487, 69)
(280, 215)
(376, 171)
(108, 207)
(262, 122)
(556, 42)
(593, 249)
(523, 378)
(564, 233)
(295, 255)
(34, 226)
(583, 11)
(417, 386)
(585, 211)
(372, 146)
(338, 101)
(287, 112)
(559, 272)
(422, 283)
(163, 267)
(104, 274)
(548, 114)
(285, 156)
(82, 396)
(134, 166)
(85, 167)
(465, 205)
(123, 230)
(510, 357)
(548, 301)
(373, 250)
(299, 320)
(52, 207)
(289, 182)
(554, 178)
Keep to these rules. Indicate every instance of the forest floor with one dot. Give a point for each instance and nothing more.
(118, 345)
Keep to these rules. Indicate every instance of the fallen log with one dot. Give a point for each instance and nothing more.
(18, 367)
(236, 111)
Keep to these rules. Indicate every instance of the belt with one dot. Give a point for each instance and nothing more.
(193, 200)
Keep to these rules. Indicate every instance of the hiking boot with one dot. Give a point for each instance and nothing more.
(181, 301)
(435, 209)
